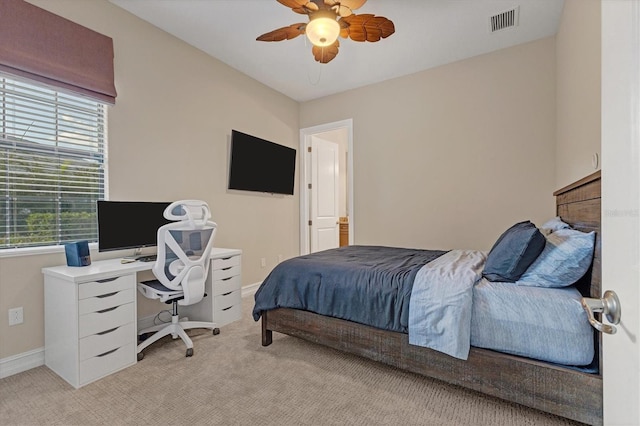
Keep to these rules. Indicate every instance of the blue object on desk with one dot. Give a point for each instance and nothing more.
(77, 253)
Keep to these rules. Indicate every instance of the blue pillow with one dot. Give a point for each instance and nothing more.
(565, 259)
(514, 252)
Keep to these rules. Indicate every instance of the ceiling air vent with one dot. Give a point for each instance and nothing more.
(504, 20)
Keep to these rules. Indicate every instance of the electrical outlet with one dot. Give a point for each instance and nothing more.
(263, 262)
(16, 316)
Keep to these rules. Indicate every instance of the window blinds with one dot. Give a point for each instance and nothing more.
(52, 165)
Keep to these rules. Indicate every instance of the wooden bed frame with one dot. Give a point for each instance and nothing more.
(561, 391)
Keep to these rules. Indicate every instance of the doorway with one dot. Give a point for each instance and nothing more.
(341, 134)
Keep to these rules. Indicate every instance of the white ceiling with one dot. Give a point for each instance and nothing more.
(428, 33)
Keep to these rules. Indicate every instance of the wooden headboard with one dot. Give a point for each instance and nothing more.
(579, 205)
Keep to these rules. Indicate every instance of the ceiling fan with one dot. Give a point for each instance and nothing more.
(329, 19)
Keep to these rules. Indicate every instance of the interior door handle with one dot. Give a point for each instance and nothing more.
(609, 305)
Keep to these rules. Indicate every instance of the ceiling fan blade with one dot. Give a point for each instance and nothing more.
(344, 7)
(303, 7)
(327, 53)
(366, 27)
(284, 33)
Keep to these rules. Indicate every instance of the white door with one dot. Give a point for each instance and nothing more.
(621, 205)
(306, 136)
(324, 195)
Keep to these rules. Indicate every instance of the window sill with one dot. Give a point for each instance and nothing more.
(37, 251)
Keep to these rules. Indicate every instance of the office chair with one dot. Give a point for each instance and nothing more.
(181, 269)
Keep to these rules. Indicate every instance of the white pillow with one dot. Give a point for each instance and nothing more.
(553, 225)
(566, 257)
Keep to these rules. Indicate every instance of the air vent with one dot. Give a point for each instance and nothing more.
(504, 20)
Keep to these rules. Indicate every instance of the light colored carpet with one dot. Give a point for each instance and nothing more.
(233, 380)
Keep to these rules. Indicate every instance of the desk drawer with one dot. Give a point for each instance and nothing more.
(227, 285)
(97, 322)
(99, 288)
(223, 301)
(227, 315)
(100, 343)
(227, 308)
(105, 301)
(105, 363)
(220, 274)
(226, 262)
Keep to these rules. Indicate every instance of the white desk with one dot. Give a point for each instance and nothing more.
(90, 313)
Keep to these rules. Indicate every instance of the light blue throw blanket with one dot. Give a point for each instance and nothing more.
(441, 302)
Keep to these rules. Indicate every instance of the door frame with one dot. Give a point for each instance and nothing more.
(305, 178)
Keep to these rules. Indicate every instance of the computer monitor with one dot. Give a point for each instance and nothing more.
(129, 224)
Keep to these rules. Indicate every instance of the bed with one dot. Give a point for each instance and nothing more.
(558, 389)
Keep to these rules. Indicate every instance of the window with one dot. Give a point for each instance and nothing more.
(52, 165)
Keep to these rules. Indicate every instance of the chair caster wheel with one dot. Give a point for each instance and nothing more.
(140, 356)
(190, 352)
(216, 331)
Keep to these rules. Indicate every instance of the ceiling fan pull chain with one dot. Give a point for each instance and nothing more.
(315, 83)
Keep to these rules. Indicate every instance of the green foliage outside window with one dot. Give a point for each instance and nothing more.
(32, 214)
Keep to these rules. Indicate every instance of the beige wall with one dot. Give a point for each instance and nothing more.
(168, 139)
(578, 90)
(452, 156)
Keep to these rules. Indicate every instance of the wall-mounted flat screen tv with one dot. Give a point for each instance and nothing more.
(261, 166)
(129, 224)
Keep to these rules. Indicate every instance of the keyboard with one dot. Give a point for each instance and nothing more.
(147, 258)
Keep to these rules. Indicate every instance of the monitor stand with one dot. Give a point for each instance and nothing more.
(137, 255)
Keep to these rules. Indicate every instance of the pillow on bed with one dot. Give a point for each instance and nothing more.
(565, 259)
(553, 225)
(514, 251)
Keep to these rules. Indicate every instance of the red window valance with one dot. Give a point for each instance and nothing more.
(40, 45)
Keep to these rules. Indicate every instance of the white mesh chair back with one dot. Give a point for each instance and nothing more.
(184, 247)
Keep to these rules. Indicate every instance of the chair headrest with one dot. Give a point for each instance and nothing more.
(195, 211)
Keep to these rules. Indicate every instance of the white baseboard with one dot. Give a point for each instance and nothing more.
(35, 358)
(250, 289)
(22, 362)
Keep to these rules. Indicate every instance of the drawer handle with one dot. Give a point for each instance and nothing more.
(108, 352)
(226, 294)
(226, 279)
(226, 269)
(107, 280)
(102, 296)
(226, 309)
(226, 258)
(102, 333)
(107, 310)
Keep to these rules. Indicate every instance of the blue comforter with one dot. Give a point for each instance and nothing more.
(365, 284)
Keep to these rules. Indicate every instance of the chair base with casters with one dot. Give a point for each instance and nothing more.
(177, 328)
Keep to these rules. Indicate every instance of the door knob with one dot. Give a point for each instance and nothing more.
(609, 305)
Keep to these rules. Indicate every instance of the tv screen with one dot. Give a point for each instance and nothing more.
(129, 224)
(261, 166)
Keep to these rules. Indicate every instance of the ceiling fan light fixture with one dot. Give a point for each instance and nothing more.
(322, 31)
(329, 19)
